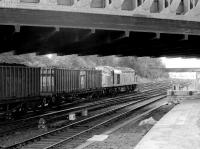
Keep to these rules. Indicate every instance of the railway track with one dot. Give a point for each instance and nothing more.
(61, 135)
(138, 97)
(52, 116)
(141, 87)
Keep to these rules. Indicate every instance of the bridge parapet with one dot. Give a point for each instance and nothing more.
(171, 9)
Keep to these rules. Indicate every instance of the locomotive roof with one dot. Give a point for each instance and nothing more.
(124, 69)
(116, 69)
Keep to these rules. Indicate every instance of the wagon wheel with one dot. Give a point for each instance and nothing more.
(73, 97)
(90, 97)
(97, 95)
(22, 109)
(44, 102)
(8, 116)
(53, 99)
(113, 93)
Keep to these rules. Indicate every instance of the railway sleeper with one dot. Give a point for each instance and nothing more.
(72, 115)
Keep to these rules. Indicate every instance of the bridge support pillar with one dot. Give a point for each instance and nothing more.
(185, 37)
(17, 28)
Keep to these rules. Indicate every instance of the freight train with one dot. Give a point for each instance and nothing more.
(25, 88)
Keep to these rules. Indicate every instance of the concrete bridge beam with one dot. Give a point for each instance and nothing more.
(173, 6)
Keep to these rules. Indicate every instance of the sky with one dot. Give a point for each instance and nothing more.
(182, 63)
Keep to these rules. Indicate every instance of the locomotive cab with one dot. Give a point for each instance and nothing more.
(117, 79)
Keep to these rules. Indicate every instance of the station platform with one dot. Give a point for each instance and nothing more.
(178, 129)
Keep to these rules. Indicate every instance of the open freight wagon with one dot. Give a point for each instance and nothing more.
(68, 82)
(19, 88)
(18, 83)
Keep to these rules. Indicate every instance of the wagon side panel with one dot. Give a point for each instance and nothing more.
(19, 82)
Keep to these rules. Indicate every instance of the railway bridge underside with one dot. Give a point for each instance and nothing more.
(104, 27)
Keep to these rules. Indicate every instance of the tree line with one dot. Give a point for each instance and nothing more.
(142, 65)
